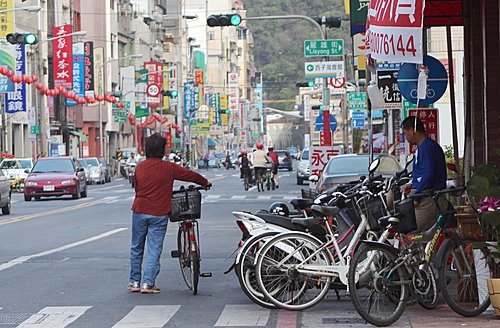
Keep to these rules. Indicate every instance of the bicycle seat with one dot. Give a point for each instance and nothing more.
(186, 214)
(386, 220)
(326, 210)
(301, 203)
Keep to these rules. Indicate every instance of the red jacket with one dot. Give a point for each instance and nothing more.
(273, 156)
(154, 181)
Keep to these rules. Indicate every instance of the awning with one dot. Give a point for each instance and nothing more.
(443, 13)
(79, 134)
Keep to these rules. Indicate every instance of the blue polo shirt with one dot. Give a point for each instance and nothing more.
(429, 167)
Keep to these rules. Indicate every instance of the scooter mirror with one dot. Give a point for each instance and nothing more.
(374, 165)
(409, 159)
(314, 178)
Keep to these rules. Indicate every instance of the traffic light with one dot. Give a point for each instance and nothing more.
(330, 21)
(320, 107)
(224, 20)
(21, 38)
(308, 84)
(170, 93)
(224, 111)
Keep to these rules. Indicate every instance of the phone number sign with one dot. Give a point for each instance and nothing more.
(394, 30)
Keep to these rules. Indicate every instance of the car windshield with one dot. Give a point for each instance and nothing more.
(53, 165)
(82, 162)
(7, 164)
(26, 163)
(305, 155)
(347, 165)
(92, 161)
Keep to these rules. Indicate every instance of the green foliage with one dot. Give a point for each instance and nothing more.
(279, 44)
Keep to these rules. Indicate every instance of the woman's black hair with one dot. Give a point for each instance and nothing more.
(155, 146)
(413, 122)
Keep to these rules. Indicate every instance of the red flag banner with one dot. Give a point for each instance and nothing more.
(62, 52)
(394, 30)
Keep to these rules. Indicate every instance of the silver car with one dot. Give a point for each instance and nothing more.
(304, 168)
(97, 170)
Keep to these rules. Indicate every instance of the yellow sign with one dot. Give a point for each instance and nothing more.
(224, 118)
(223, 102)
(6, 17)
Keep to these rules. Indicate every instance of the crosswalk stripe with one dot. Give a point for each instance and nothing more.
(243, 315)
(211, 197)
(54, 317)
(238, 197)
(148, 316)
(264, 197)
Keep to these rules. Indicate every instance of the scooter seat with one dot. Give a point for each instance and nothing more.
(282, 221)
(326, 210)
(307, 222)
(301, 203)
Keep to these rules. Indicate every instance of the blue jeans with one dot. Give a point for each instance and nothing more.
(154, 228)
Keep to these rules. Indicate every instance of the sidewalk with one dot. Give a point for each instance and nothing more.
(443, 316)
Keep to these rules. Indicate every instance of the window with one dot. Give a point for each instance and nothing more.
(211, 35)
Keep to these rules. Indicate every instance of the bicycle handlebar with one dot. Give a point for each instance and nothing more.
(183, 189)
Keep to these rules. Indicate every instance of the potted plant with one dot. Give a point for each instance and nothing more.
(483, 190)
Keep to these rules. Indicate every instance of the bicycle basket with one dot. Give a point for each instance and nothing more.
(373, 208)
(309, 193)
(182, 202)
(405, 211)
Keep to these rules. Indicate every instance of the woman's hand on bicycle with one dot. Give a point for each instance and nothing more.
(208, 186)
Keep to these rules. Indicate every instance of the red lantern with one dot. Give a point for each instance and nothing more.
(34, 78)
(3, 69)
(9, 73)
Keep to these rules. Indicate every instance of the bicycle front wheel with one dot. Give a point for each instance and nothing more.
(281, 274)
(463, 271)
(189, 261)
(378, 292)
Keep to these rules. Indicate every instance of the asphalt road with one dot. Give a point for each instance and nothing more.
(65, 263)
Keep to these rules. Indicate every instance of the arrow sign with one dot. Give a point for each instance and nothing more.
(318, 48)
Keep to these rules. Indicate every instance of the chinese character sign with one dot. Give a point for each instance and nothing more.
(63, 56)
(78, 72)
(16, 101)
(6, 17)
(320, 156)
(429, 117)
(387, 82)
(394, 30)
(88, 52)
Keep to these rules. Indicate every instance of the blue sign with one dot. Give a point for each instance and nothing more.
(437, 81)
(78, 72)
(358, 119)
(16, 101)
(188, 99)
(319, 123)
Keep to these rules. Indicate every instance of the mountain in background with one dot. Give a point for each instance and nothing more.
(279, 43)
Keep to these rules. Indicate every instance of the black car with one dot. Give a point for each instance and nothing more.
(284, 160)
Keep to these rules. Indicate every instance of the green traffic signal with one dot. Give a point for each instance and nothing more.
(235, 20)
(308, 84)
(21, 38)
(316, 107)
(170, 93)
(224, 20)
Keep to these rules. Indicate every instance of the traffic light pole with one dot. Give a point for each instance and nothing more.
(327, 137)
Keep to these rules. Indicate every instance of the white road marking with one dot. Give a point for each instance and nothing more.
(264, 197)
(144, 316)
(241, 315)
(238, 197)
(212, 197)
(54, 317)
(23, 259)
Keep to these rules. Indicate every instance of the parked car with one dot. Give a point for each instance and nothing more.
(284, 160)
(292, 151)
(55, 176)
(107, 169)
(86, 168)
(13, 169)
(97, 170)
(5, 194)
(304, 168)
(350, 167)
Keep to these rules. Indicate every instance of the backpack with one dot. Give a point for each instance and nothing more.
(244, 161)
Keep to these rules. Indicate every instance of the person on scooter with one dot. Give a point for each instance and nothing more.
(274, 159)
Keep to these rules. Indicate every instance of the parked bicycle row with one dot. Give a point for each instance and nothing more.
(361, 237)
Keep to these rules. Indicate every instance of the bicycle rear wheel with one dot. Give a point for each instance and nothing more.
(245, 269)
(280, 271)
(246, 182)
(189, 261)
(380, 293)
(459, 270)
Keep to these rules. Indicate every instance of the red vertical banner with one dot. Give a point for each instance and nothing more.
(327, 134)
(429, 117)
(169, 139)
(155, 74)
(62, 54)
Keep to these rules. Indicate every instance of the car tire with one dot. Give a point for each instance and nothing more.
(27, 198)
(38, 197)
(84, 192)
(6, 209)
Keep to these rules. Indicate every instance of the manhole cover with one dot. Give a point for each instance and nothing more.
(13, 318)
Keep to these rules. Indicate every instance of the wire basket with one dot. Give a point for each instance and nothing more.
(405, 211)
(309, 193)
(189, 200)
(372, 207)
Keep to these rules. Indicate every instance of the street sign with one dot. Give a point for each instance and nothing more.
(387, 77)
(35, 129)
(324, 69)
(430, 119)
(358, 119)
(337, 82)
(319, 123)
(357, 100)
(153, 91)
(316, 48)
(437, 81)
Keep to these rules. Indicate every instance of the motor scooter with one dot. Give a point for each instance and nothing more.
(131, 173)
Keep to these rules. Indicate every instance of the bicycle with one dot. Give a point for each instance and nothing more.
(247, 178)
(259, 178)
(381, 276)
(186, 210)
(268, 180)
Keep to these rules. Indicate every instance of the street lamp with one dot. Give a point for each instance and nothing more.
(31, 9)
(41, 111)
(101, 136)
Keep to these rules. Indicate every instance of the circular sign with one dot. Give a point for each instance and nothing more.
(153, 90)
(337, 82)
(437, 81)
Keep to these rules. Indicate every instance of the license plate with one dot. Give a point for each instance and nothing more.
(48, 188)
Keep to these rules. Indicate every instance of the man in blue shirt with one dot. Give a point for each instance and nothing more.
(429, 172)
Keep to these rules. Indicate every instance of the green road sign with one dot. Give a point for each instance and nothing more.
(357, 100)
(317, 48)
(35, 129)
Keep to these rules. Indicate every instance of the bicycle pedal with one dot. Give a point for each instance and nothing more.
(206, 274)
(175, 253)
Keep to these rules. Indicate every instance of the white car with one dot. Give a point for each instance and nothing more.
(15, 167)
